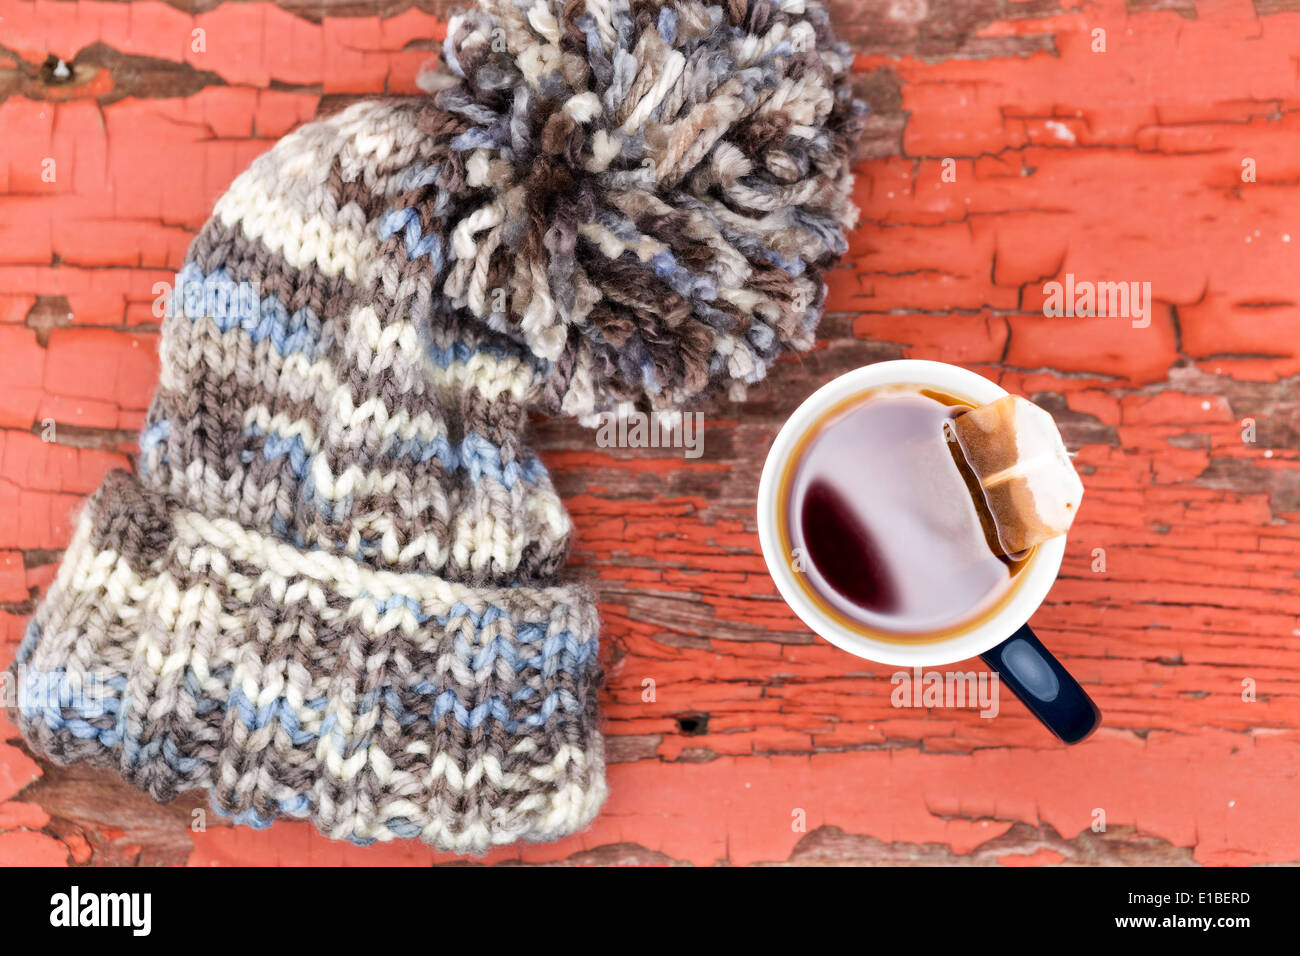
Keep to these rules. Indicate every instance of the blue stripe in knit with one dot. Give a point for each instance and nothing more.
(54, 698)
(476, 455)
(232, 305)
(407, 222)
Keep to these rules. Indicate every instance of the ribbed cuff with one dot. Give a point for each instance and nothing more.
(191, 652)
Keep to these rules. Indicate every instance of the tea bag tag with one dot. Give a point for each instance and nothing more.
(1015, 451)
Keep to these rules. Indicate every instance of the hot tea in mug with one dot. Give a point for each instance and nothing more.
(915, 513)
(883, 520)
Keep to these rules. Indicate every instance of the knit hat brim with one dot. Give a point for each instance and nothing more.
(190, 652)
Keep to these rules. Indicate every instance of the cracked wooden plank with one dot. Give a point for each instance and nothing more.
(1003, 152)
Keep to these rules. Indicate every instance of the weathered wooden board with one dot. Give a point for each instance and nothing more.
(1010, 144)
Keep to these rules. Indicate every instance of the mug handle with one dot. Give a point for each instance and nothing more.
(1047, 689)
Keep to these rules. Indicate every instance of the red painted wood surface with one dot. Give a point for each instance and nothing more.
(1122, 165)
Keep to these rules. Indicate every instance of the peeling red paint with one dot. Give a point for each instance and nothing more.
(298, 845)
(15, 815)
(1039, 858)
(1120, 166)
(78, 848)
(17, 769)
(27, 848)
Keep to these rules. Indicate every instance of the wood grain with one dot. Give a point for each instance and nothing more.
(760, 743)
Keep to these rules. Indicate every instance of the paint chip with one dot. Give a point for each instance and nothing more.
(1061, 131)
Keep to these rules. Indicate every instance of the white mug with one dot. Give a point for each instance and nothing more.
(1003, 638)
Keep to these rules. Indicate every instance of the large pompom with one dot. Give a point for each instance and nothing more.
(646, 193)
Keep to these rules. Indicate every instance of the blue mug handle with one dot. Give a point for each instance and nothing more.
(1045, 687)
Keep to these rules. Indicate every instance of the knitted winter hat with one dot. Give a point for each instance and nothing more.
(330, 592)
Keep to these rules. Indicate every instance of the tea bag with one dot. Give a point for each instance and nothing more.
(1016, 454)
